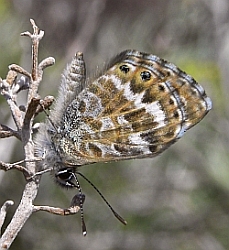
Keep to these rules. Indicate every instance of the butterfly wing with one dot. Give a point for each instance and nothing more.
(137, 108)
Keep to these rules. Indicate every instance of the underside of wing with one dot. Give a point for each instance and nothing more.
(137, 108)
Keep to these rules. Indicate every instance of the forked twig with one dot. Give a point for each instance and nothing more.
(24, 117)
(35, 37)
(9, 88)
(5, 132)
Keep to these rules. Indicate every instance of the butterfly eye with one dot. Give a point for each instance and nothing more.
(145, 75)
(64, 177)
(124, 68)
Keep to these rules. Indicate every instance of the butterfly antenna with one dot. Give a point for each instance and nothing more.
(50, 119)
(77, 185)
(46, 113)
(104, 199)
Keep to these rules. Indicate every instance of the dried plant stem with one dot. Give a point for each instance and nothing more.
(3, 211)
(24, 124)
(9, 88)
(8, 132)
(25, 207)
(21, 215)
(56, 210)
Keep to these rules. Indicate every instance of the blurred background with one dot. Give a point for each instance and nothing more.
(178, 200)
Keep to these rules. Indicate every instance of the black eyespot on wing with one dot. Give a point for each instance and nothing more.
(171, 102)
(161, 88)
(124, 68)
(145, 75)
(176, 114)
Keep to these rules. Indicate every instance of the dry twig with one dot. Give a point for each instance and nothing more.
(9, 88)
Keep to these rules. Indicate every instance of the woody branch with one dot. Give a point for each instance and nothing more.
(23, 118)
(9, 88)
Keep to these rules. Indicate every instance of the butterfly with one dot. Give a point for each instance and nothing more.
(137, 107)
